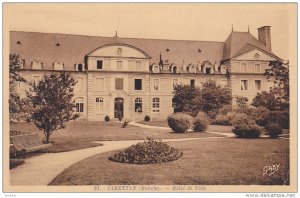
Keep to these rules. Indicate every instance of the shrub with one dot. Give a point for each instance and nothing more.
(241, 118)
(147, 118)
(225, 109)
(212, 114)
(247, 131)
(148, 152)
(200, 122)
(179, 122)
(259, 114)
(224, 120)
(273, 130)
(280, 117)
(107, 118)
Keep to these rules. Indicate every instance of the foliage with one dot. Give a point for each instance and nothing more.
(224, 120)
(200, 122)
(247, 131)
(52, 100)
(280, 117)
(17, 109)
(179, 122)
(241, 101)
(225, 109)
(259, 114)
(266, 99)
(106, 118)
(148, 152)
(241, 118)
(147, 118)
(273, 130)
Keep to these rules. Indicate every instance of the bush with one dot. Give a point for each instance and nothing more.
(147, 118)
(179, 122)
(247, 131)
(148, 152)
(273, 130)
(225, 109)
(224, 120)
(280, 117)
(241, 118)
(200, 123)
(259, 114)
(212, 114)
(107, 118)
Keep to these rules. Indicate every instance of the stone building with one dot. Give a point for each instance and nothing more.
(133, 77)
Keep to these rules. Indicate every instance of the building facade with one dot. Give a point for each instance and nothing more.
(132, 78)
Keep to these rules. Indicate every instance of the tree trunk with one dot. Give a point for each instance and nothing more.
(47, 135)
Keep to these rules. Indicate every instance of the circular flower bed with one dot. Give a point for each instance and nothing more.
(148, 152)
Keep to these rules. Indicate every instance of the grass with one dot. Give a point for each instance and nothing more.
(228, 161)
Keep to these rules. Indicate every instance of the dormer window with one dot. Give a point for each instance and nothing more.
(155, 69)
(37, 64)
(192, 69)
(79, 67)
(223, 69)
(58, 65)
(119, 51)
(174, 69)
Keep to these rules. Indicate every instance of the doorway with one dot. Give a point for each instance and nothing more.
(119, 108)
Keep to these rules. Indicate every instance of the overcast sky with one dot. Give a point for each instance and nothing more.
(197, 21)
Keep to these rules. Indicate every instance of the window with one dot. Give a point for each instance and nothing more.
(36, 79)
(223, 69)
(79, 105)
(207, 70)
(244, 84)
(244, 67)
(192, 69)
(174, 105)
(257, 68)
(174, 70)
(192, 82)
(175, 83)
(58, 65)
(99, 105)
(137, 84)
(119, 83)
(138, 105)
(36, 64)
(99, 83)
(257, 84)
(155, 84)
(79, 67)
(119, 52)
(155, 105)
(119, 65)
(155, 69)
(138, 65)
(79, 84)
(99, 64)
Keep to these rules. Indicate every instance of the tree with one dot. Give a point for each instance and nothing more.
(266, 99)
(52, 101)
(16, 104)
(214, 96)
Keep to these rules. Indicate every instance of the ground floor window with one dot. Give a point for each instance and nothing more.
(244, 84)
(99, 105)
(79, 105)
(155, 104)
(138, 105)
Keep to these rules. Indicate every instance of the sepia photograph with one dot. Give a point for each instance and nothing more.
(150, 97)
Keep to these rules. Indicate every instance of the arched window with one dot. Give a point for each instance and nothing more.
(37, 64)
(192, 69)
(155, 105)
(119, 51)
(79, 67)
(138, 106)
(99, 105)
(174, 69)
(155, 69)
(223, 69)
(58, 65)
(79, 105)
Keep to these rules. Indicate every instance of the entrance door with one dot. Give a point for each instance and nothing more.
(119, 107)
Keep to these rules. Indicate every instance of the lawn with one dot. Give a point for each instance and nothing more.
(80, 135)
(228, 161)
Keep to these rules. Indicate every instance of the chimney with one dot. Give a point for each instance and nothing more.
(264, 36)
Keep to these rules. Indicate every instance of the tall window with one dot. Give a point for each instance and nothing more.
(119, 65)
(79, 84)
(138, 65)
(119, 51)
(244, 84)
(79, 105)
(99, 64)
(100, 84)
(244, 67)
(99, 105)
(137, 84)
(119, 83)
(257, 85)
(155, 105)
(175, 83)
(174, 70)
(36, 64)
(155, 84)
(58, 65)
(192, 82)
(257, 68)
(138, 106)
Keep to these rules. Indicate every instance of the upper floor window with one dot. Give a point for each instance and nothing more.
(244, 85)
(36, 79)
(257, 84)
(138, 84)
(138, 65)
(37, 64)
(99, 64)
(138, 105)
(155, 69)
(257, 67)
(119, 83)
(174, 69)
(192, 69)
(99, 105)
(175, 83)
(119, 52)
(119, 65)
(244, 67)
(79, 105)
(79, 84)
(99, 84)
(155, 84)
(79, 67)
(58, 65)
(223, 69)
(155, 105)
(192, 82)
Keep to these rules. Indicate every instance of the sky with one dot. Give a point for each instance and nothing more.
(179, 21)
